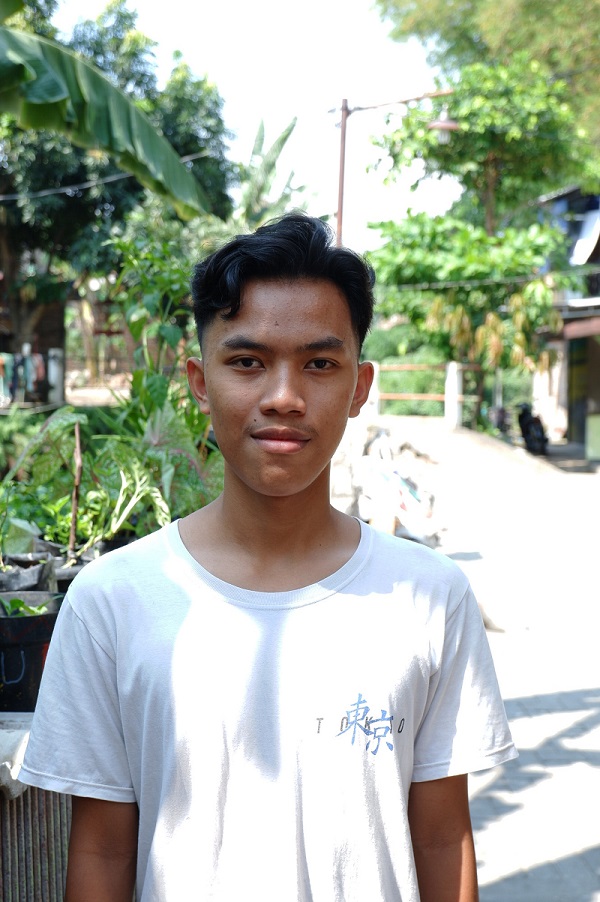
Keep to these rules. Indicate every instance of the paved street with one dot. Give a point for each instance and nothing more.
(527, 535)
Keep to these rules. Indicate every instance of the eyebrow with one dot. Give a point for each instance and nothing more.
(243, 343)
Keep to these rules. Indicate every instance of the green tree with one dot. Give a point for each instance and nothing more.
(562, 34)
(257, 204)
(483, 298)
(151, 224)
(33, 16)
(44, 224)
(189, 113)
(485, 285)
(482, 279)
(157, 251)
(46, 86)
(515, 138)
(118, 49)
(449, 28)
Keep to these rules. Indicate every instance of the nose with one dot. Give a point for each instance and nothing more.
(283, 392)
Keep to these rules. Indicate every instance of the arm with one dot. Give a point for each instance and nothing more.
(442, 838)
(102, 851)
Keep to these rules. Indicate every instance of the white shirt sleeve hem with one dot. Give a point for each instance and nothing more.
(52, 783)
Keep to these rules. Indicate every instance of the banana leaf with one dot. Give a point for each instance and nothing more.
(46, 86)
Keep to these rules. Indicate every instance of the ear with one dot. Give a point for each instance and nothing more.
(364, 381)
(195, 374)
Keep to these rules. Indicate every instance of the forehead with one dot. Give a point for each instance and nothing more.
(288, 308)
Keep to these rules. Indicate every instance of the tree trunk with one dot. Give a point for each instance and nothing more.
(87, 323)
(489, 194)
(9, 267)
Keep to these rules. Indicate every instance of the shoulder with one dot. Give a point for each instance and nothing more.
(419, 580)
(146, 553)
(407, 560)
(121, 579)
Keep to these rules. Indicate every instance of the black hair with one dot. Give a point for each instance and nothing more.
(296, 246)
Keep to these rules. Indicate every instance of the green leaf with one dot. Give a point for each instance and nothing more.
(46, 465)
(171, 334)
(137, 318)
(47, 87)
(57, 425)
(9, 7)
(167, 474)
(16, 607)
(157, 387)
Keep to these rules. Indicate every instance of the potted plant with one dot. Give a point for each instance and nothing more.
(25, 564)
(84, 490)
(89, 480)
(26, 623)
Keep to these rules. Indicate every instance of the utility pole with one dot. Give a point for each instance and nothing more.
(346, 111)
(340, 209)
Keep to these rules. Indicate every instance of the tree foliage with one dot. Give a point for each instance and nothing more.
(150, 224)
(189, 113)
(515, 137)
(484, 297)
(118, 49)
(61, 202)
(482, 279)
(156, 251)
(562, 34)
(44, 86)
(257, 203)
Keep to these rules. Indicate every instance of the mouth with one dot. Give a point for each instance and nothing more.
(280, 441)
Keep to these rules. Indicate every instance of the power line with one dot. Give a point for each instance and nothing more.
(474, 283)
(67, 189)
(84, 186)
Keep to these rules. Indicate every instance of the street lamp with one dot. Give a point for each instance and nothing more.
(443, 124)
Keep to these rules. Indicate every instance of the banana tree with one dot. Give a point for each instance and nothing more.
(256, 204)
(46, 86)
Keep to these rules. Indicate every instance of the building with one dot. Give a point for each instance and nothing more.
(567, 397)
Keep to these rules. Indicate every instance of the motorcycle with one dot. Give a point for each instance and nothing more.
(532, 430)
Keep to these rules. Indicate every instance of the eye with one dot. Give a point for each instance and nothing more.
(320, 364)
(246, 363)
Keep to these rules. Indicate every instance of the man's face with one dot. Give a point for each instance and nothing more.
(280, 380)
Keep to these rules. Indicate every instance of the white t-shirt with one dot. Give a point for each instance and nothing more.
(269, 738)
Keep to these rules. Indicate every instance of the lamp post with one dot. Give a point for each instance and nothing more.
(443, 124)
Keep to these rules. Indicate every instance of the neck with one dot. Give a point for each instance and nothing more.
(277, 525)
(269, 543)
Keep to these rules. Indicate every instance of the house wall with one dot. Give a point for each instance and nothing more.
(593, 374)
(578, 383)
(550, 394)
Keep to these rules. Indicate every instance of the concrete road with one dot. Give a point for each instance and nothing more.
(528, 536)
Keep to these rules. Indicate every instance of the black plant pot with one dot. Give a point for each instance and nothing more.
(24, 642)
(16, 579)
(28, 572)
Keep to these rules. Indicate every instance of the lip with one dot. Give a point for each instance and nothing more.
(280, 441)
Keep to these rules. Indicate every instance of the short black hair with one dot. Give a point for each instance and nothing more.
(295, 246)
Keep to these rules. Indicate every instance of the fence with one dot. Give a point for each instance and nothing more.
(34, 836)
(453, 397)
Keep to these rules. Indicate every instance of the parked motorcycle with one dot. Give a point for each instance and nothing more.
(532, 430)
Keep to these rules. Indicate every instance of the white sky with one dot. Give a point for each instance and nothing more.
(273, 60)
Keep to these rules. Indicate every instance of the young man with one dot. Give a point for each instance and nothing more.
(268, 699)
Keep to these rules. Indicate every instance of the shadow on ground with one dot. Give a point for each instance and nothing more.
(576, 877)
(570, 458)
(540, 884)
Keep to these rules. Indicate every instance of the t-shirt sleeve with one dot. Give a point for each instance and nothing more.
(464, 727)
(76, 745)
